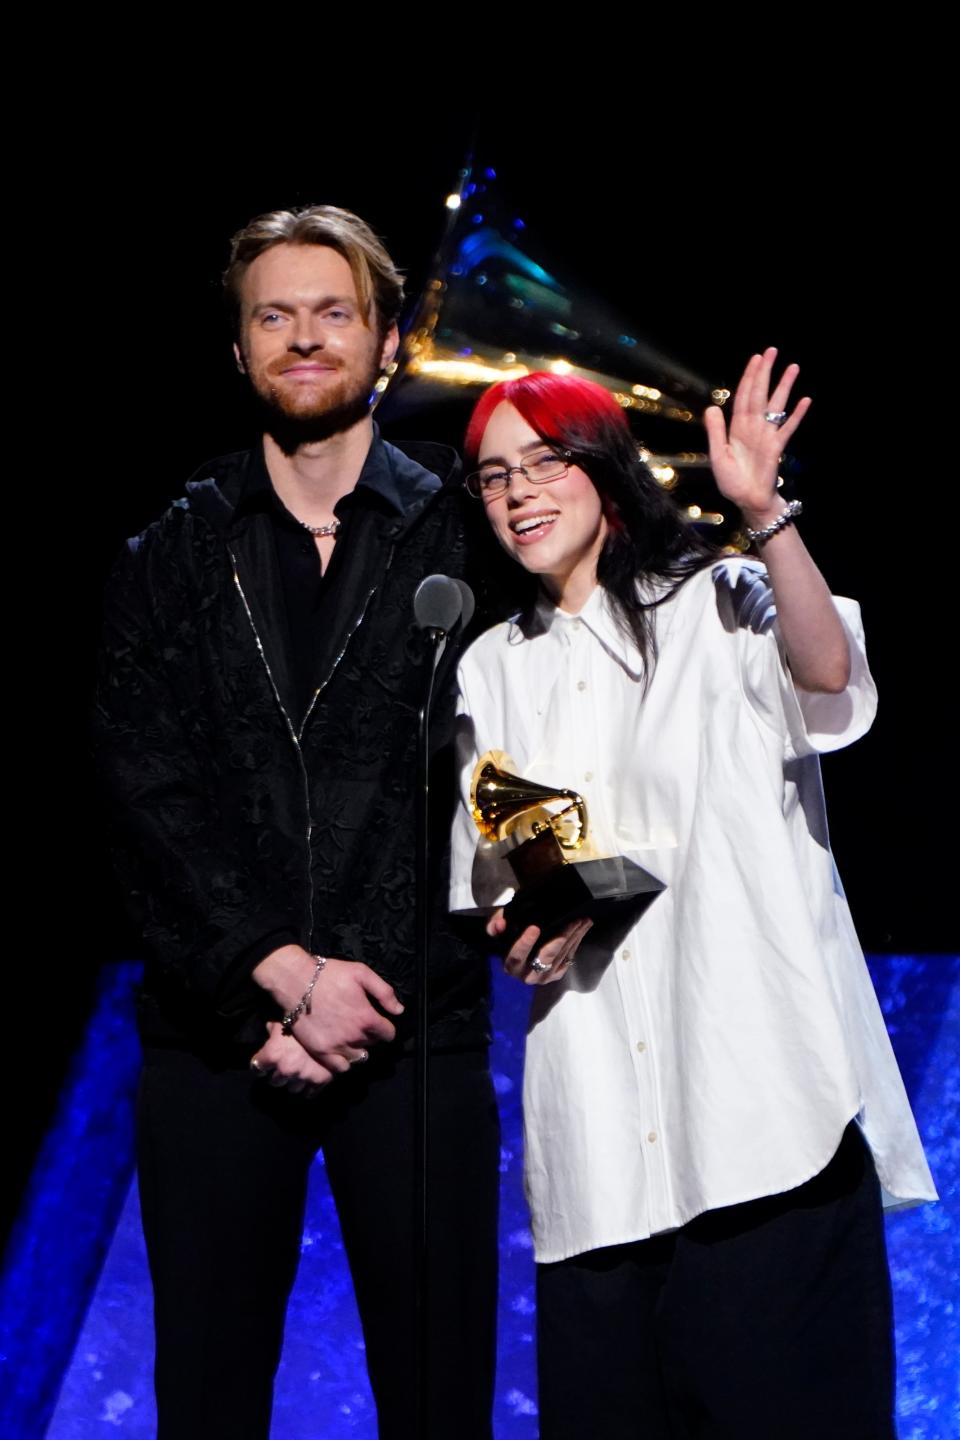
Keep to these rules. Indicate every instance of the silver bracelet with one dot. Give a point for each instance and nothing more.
(787, 517)
(304, 1003)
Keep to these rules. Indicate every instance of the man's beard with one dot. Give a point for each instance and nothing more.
(340, 406)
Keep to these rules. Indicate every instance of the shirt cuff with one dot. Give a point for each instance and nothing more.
(819, 722)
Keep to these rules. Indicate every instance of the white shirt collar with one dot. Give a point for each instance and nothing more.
(599, 617)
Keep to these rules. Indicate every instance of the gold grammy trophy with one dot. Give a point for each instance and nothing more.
(548, 827)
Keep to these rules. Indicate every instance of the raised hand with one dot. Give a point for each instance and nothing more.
(745, 460)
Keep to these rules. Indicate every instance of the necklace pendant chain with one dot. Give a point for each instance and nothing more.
(330, 529)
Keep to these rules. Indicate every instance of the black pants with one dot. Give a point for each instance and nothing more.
(764, 1321)
(223, 1163)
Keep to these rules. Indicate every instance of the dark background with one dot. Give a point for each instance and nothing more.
(714, 231)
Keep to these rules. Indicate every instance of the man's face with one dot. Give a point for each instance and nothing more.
(308, 349)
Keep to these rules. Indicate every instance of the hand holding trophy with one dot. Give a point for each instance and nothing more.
(547, 827)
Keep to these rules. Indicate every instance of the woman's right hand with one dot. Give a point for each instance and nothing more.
(553, 959)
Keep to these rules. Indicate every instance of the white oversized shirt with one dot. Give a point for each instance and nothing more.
(714, 1050)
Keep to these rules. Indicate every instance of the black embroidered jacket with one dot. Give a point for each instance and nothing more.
(235, 819)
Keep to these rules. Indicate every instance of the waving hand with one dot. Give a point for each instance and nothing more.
(745, 459)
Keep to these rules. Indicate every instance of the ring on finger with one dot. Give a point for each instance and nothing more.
(359, 1059)
(775, 417)
(539, 968)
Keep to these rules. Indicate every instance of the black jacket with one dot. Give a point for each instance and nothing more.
(233, 822)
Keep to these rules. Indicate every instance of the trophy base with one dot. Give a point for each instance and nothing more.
(587, 888)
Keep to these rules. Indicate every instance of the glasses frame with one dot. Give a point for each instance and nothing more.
(507, 473)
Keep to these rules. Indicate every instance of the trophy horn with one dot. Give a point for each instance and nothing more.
(502, 803)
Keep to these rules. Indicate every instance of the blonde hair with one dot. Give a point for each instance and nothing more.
(375, 276)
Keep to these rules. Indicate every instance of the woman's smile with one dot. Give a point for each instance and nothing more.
(555, 530)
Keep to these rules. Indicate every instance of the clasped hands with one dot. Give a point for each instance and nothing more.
(335, 1033)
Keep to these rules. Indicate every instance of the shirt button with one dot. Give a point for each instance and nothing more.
(624, 954)
(588, 774)
(652, 1136)
(641, 1046)
(576, 624)
(581, 684)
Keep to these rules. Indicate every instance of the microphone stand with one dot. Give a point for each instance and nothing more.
(421, 1216)
(438, 605)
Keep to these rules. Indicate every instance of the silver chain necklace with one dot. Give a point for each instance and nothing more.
(330, 529)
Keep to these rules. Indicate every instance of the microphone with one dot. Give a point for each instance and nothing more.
(440, 602)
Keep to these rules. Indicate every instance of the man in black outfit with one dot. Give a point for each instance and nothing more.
(256, 723)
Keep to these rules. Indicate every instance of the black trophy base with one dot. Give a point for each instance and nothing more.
(597, 889)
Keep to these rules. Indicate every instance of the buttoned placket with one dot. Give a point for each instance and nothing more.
(580, 737)
(587, 697)
(632, 983)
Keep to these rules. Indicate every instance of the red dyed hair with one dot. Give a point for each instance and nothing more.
(649, 539)
(561, 408)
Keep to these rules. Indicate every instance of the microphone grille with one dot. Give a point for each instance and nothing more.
(437, 603)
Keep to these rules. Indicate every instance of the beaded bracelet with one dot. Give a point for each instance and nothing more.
(304, 1003)
(784, 519)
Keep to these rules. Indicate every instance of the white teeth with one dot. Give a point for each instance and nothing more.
(522, 526)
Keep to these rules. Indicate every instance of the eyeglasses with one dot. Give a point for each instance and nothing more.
(489, 481)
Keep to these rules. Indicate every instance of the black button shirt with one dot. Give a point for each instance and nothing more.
(309, 593)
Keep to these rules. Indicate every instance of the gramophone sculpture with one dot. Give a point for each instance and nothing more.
(552, 888)
(493, 308)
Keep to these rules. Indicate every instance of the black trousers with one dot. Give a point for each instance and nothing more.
(223, 1164)
(764, 1321)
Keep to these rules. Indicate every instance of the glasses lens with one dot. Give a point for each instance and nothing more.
(544, 466)
(490, 483)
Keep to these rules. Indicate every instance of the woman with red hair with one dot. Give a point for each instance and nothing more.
(713, 1114)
